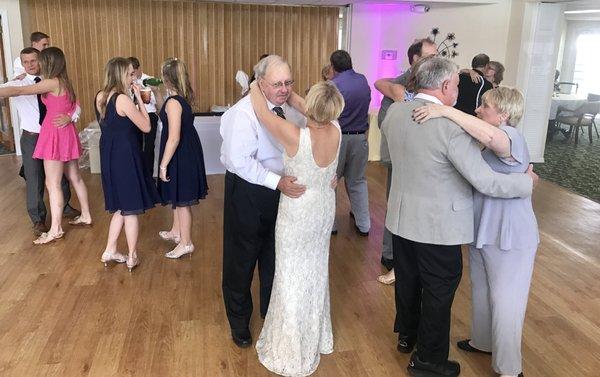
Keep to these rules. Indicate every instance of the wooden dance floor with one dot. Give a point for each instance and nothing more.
(63, 314)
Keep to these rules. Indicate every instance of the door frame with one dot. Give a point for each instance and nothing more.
(8, 63)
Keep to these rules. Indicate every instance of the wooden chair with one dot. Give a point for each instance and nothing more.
(584, 116)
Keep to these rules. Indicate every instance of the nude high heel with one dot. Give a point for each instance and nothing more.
(180, 251)
(132, 262)
(112, 256)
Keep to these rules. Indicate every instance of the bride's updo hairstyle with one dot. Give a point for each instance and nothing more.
(324, 102)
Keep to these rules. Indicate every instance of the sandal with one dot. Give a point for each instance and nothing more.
(388, 278)
(46, 237)
(168, 236)
(180, 251)
(112, 257)
(78, 221)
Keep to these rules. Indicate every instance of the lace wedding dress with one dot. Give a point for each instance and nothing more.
(297, 328)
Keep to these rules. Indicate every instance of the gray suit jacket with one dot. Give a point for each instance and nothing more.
(436, 165)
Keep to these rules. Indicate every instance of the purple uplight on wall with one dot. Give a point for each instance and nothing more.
(379, 30)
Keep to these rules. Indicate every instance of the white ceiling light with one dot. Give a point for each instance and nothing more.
(586, 11)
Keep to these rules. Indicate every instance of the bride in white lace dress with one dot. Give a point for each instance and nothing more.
(297, 328)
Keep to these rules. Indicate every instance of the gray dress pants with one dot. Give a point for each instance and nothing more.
(500, 281)
(352, 163)
(35, 179)
(386, 248)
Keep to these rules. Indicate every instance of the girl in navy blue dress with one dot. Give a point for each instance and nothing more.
(182, 176)
(128, 189)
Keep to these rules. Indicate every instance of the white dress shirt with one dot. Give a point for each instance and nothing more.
(150, 107)
(17, 67)
(428, 97)
(27, 106)
(248, 150)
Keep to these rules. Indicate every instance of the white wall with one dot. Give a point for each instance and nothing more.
(15, 31)
(376, 27)
(13, 44)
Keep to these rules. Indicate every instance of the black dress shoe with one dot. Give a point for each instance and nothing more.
(242, 338)
(520, 374)
(70, 212)
(39, 228)
(419, 368)
(406, 343)
(360, 232)
(465, 346)
(387, 263)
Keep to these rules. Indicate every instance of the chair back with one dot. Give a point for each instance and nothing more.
(591, 108)
(593, 97)
(565, 83)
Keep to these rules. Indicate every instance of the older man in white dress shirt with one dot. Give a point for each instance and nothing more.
(28, 111)
(253, 182)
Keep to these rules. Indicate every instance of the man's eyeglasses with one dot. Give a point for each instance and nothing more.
(280, 84)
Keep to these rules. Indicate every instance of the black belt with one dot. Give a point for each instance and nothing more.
(353, 132)
(30, 133)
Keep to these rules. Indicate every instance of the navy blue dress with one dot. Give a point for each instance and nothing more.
(126, 185)
(187, 176)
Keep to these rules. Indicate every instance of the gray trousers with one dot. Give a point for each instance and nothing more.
(35, 179)
(500, 281)
(386, 248)
(352, 163)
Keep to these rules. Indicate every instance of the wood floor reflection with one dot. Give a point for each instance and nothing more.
(63, 314)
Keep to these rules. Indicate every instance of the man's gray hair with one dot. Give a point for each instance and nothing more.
(260, 69)
(432, 72)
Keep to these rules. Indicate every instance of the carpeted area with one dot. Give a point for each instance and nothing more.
(574, 167)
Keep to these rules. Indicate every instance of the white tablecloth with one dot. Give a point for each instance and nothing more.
(208, 131)
(566, 101)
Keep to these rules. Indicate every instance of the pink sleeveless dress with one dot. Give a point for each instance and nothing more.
(59, 144)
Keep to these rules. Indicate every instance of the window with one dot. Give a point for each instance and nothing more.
(586, 73)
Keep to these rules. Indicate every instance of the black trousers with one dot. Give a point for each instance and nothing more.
(147, 142)
(35, 177)
(249, 218)
(426, 279)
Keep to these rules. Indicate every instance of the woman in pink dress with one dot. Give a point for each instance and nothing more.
(58, 146)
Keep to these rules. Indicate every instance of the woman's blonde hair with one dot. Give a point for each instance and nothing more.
(175, 73)
(324, 102)
(115, 79)
(506, 100)
(53, 65)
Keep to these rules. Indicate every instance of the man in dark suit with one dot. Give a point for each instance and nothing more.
(469, 92)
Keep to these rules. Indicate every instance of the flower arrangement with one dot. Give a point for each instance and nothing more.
(447, 47)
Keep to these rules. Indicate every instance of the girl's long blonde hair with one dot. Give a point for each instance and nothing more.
(175, 73)
(53, 65)
(115, 79)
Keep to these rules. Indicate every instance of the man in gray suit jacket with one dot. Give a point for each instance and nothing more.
(436, 167)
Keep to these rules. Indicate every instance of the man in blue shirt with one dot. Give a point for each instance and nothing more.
(354, 151)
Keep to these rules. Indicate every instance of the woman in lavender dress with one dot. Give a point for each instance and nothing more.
(506, 233)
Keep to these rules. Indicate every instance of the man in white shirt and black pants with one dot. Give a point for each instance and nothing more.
(31, 113)
(253, 182)
(147, 140)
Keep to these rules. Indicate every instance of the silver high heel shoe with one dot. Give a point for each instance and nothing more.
(112, 256)
(132, 262)
(168, 236)
(180, 251)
